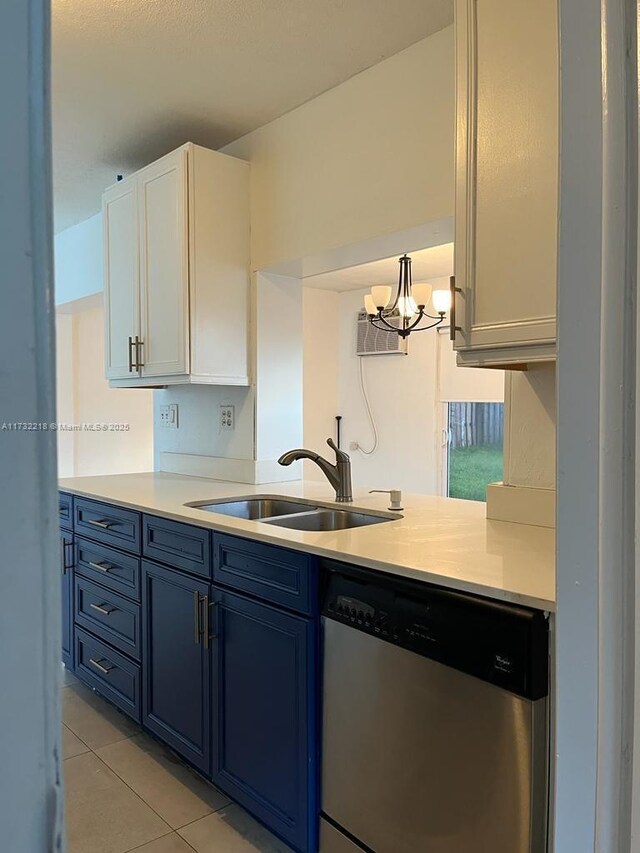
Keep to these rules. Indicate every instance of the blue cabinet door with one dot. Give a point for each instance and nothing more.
(176, 662)
(264, 738)
(66, 571)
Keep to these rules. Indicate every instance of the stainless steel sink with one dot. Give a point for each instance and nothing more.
(296, 515)
(253, 509)
(329, 519)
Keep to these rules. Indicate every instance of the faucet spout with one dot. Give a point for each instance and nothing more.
(338, 475)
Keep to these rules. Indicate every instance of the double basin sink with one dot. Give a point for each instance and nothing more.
(296, 515)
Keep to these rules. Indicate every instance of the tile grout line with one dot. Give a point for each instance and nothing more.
(65, 726)
(111, 770)
(140, 797)
(172, 831)
(153, 840)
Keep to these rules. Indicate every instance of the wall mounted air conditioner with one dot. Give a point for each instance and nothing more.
(372, 341)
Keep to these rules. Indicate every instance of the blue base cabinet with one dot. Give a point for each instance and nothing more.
(210, 641)
(66, 573)
(264, 739)
(176, 695)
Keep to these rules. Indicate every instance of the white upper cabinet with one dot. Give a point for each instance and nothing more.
(177, 271)
(506, 181)
(120, 223)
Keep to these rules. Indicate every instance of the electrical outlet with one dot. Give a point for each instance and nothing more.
(227, 418)
(169, 416)
(353, 445)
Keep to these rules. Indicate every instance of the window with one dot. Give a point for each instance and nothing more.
(473, 448)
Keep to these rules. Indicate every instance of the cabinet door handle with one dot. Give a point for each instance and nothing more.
(101, 567)
(104, 610)
(130, 355)
(139, 344)
(103, 669)
(214, 620)
(205, 607)
(196, 618)
(104, 525)
(63, 556)
(70, 545)
(452, 311)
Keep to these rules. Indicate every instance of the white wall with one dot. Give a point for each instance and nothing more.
(402, 391)
(278, 365)
(321, 360)
(65, 393)
(84, 397)
(406, 395)
(530, 428)
(372, 156)
(78, 260)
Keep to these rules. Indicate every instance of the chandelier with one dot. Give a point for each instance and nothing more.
(408, 309)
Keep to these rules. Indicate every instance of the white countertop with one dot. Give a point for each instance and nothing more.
(438, 540)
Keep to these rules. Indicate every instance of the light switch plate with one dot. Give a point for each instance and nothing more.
(169, 416)
(227, 418)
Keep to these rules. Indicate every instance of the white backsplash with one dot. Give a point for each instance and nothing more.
(199, 430)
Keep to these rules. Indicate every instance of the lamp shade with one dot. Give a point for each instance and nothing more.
(370, 305)
(421, 293)
(381, 295)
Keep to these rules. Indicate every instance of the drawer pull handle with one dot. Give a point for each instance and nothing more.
(101, 567)
(104, 525)
(103, 669)
(104, 610)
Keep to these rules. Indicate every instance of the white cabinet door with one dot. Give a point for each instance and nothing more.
(164, 266)
(507, 176)
(121, 278)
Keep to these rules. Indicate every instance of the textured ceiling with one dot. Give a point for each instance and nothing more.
(133, 79)
(426, 264)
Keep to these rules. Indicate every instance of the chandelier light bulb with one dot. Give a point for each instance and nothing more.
(407, 306)
(442, 301)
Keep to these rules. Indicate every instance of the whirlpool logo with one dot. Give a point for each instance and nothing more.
(502, 663)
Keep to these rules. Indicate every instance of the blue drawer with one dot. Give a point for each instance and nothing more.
(181, 546)
(65, 510)
(270, 573)
(109, 524)
(110, 616)
(108, 567)
(110, 673)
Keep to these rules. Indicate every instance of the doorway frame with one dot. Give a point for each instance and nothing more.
(597, 274)
(30, 669)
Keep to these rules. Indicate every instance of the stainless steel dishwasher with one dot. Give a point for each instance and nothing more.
(435, 723)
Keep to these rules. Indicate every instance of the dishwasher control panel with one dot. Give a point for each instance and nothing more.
(504, 644)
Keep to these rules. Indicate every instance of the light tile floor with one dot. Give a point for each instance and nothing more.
(126, 792)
